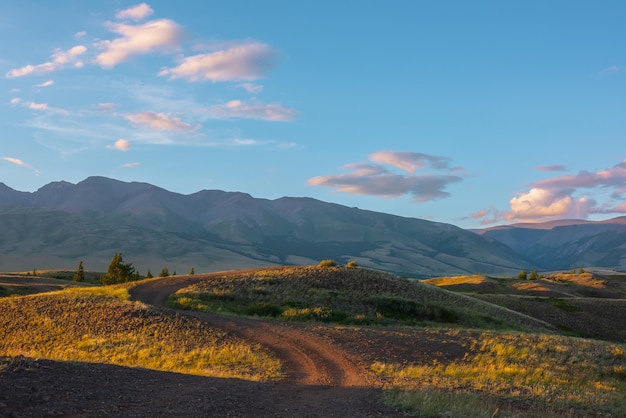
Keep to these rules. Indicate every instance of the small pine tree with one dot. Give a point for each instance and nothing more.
(581, 271)
(80, 273)
(149, 274)
(164, 272)
(192, 272)
(118, 271)
(522, 275)
(533, 275)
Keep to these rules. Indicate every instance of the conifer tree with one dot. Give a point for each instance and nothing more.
(192, 272)
(118, 271)
(164, 272)
(149, 274)
(80, 273)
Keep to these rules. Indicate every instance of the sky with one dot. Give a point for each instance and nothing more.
(471, 113)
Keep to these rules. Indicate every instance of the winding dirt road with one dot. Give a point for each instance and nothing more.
(321, 378)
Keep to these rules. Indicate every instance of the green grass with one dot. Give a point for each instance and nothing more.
(100, 325)
(517, 375)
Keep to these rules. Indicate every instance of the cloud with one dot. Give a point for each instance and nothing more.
(131, 165)
(569, 196)
(409, 161)
(162, 36)
(553, 167)
(45, 84)
(60, 59)
(160, 122)
(38, 106)
(137, 12)
(80, 34)
(376, 180)
(21, 163)
(245, 62)
(121, 145)
(242, 110)
(251, 88)
(612, 70)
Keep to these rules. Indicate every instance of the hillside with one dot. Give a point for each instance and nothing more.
(566, 244)
(62, 223)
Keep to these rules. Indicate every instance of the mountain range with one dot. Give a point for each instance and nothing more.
(63, 223)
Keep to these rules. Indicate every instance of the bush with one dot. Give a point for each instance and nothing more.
(264, 309)
(327, 263)
(351, 264)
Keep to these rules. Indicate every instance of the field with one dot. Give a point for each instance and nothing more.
(309, 341)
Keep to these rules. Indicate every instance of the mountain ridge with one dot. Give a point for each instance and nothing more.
(215, 229)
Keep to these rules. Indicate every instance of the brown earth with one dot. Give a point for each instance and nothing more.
(325, 373)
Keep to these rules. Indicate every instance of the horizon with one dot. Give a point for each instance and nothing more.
(477, 115)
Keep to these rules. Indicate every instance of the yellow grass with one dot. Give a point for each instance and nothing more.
(546, 373)
(99, 325)
(583, 279)
(455, 280)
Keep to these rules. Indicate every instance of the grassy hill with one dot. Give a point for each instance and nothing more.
(352, 296)
(581, 304)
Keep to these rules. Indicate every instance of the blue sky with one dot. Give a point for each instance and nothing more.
(470, 113)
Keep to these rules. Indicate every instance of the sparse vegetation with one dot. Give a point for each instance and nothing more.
(341, 295)
(98, 324)
(517, 374)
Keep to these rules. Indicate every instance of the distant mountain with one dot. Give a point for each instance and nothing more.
(63, 223)
(566, 244)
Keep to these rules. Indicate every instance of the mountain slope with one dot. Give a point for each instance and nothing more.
(212, 230)
(567, 244)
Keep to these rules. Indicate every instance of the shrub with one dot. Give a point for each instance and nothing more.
(327, 263)
(351, 264)
(264, 309)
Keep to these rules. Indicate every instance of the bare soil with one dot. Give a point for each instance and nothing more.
(325, 373)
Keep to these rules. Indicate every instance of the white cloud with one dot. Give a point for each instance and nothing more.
(160, 121)
(60, 59)
(80, 34)
(245, 62)
(47, 83)
(162, 36)
(239, 109)
(131, 165)
(137, 12)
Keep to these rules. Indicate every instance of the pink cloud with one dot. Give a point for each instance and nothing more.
(557, 197)
(239, 109)
(376, 180)
(121, 145)
(160, 121)
(251, 88)
(246, 62)
(38, 106)
(162, 36)
(45, 84)
(21, 163)
(131, 165)
(553, 167)
(409, 161)
(137, 12)
(60, 59)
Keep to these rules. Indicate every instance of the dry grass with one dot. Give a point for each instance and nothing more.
(99, 325)
(516, 375)
(456, 280)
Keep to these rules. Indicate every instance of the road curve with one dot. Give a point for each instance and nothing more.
(307, 358)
